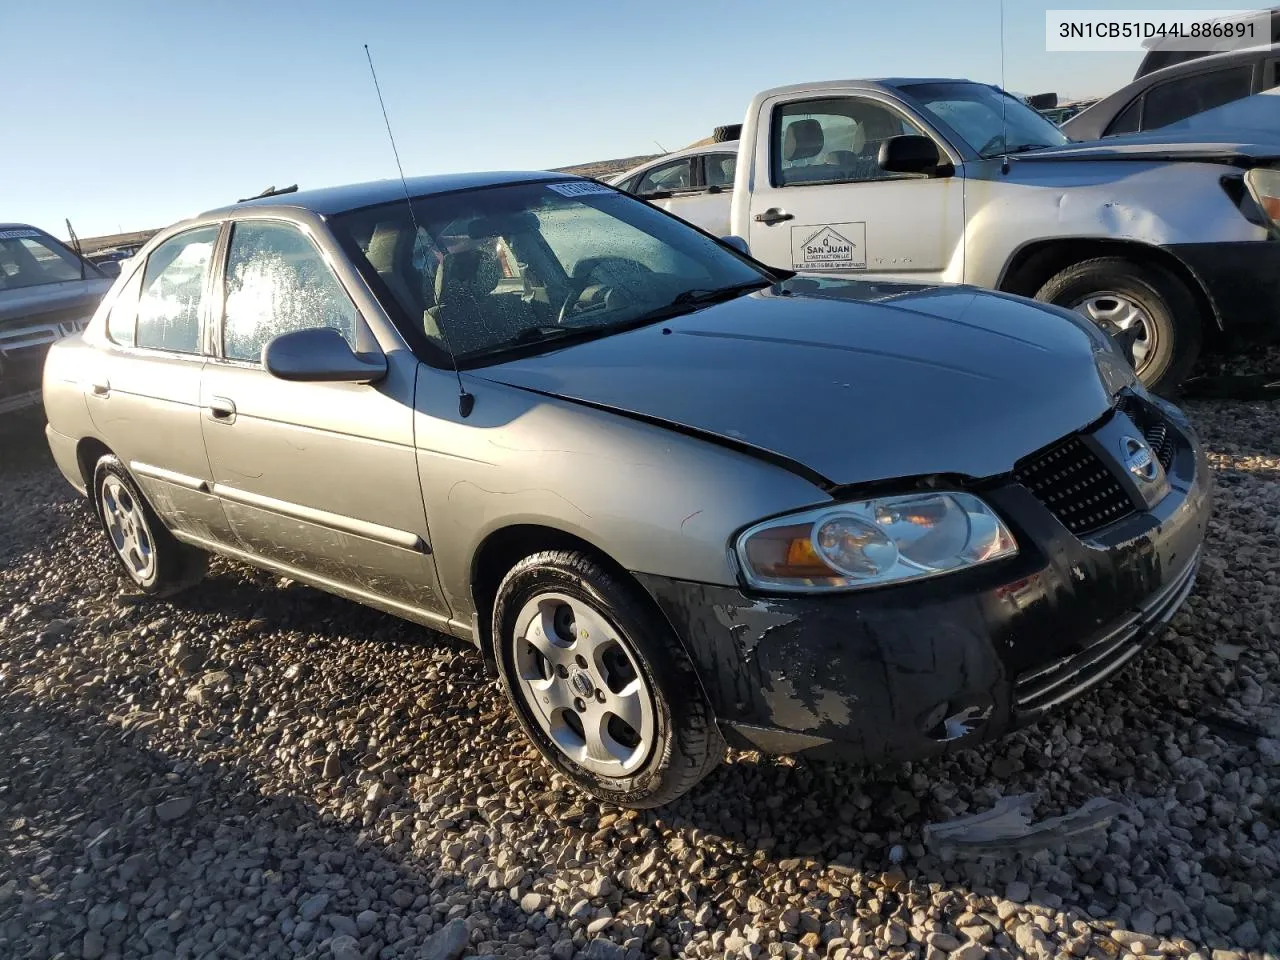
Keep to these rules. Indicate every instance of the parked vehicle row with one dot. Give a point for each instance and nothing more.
(1165, 239)
(675, 496)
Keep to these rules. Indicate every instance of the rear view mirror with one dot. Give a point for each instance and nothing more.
(320, 355)
(909, 153)
(738, 244)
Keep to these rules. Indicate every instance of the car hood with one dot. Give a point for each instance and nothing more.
(852, 381)
(1192, 144)
(69, 300)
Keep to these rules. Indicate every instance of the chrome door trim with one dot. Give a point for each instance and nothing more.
(403, 539)
(169, 476)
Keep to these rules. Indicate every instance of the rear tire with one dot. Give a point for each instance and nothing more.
(600, 683)
(155, 562)
(730, 131)
(1165, 305)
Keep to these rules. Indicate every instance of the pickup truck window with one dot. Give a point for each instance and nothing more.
(836, 140)
(1177, 99)
(665, 177)
(989, 120)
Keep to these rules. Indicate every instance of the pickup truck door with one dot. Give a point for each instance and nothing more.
(820, 202)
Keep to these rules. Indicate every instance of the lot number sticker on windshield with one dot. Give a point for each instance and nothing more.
(832, 246)
(580, 189)
(18, 234)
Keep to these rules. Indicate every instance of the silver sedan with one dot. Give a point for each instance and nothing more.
(675, 498)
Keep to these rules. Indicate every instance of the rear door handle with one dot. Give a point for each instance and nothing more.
(100, 388)
(774, 215)
(222, 410)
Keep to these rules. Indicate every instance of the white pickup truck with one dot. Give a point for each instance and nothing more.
(1168, 237)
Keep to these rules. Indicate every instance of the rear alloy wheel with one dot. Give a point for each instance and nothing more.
(156, 563)
(599, 683)
(1142, 300)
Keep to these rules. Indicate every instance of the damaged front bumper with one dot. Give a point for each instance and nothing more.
(919, 669)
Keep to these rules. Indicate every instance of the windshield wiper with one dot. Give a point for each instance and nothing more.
(700, 298)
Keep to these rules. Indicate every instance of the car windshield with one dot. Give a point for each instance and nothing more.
(523, 266)
(30, 258)
(991, 121)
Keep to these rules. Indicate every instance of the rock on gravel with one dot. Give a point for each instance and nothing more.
(256, 769)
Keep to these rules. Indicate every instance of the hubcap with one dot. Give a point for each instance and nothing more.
(579, 679)
(128, 530)
(1116, 314)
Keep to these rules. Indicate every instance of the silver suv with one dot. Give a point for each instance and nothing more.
(673, 496)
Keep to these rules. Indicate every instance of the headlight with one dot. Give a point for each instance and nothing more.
(1264, 184)
(868, 543)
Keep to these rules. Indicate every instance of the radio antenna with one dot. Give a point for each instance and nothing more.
(1004, 103)
(466, 401)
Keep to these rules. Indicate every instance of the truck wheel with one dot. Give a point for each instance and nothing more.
(156, 563)
(730, 131)
(1118, 294)
(600, 683)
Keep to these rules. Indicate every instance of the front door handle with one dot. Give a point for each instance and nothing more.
(100, 388)
(774, 215)
(222, 410)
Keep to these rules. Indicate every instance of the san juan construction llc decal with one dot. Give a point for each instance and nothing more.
(834, 246)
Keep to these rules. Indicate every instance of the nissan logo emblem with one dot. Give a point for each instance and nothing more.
(1138, 459)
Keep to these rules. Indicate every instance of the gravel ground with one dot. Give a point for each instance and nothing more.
(259, 769)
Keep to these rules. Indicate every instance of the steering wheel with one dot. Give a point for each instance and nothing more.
(578, 285)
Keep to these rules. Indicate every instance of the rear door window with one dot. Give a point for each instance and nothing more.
(122, 320)
(719, 169)
(1177, 99)
(174, 285)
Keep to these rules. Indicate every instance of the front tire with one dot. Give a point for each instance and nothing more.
(1117, 294)
(599, 682)
(155, 562)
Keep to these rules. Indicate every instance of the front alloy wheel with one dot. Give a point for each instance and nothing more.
(582, 686)
(600, 683)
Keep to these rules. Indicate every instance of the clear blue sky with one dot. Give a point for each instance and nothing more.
(128, 114)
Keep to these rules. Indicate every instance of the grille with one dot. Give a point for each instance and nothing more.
(1076, 486)
(1153, 426)
(1050, 684)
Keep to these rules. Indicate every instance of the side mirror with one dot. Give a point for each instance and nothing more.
(320, 355)
(909, 153)
(738, 244)
(109, 268)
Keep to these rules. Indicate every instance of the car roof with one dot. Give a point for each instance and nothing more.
(19, 226)
(1108, 108)
(326, 201)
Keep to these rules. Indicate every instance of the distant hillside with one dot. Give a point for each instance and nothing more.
(603, 168)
